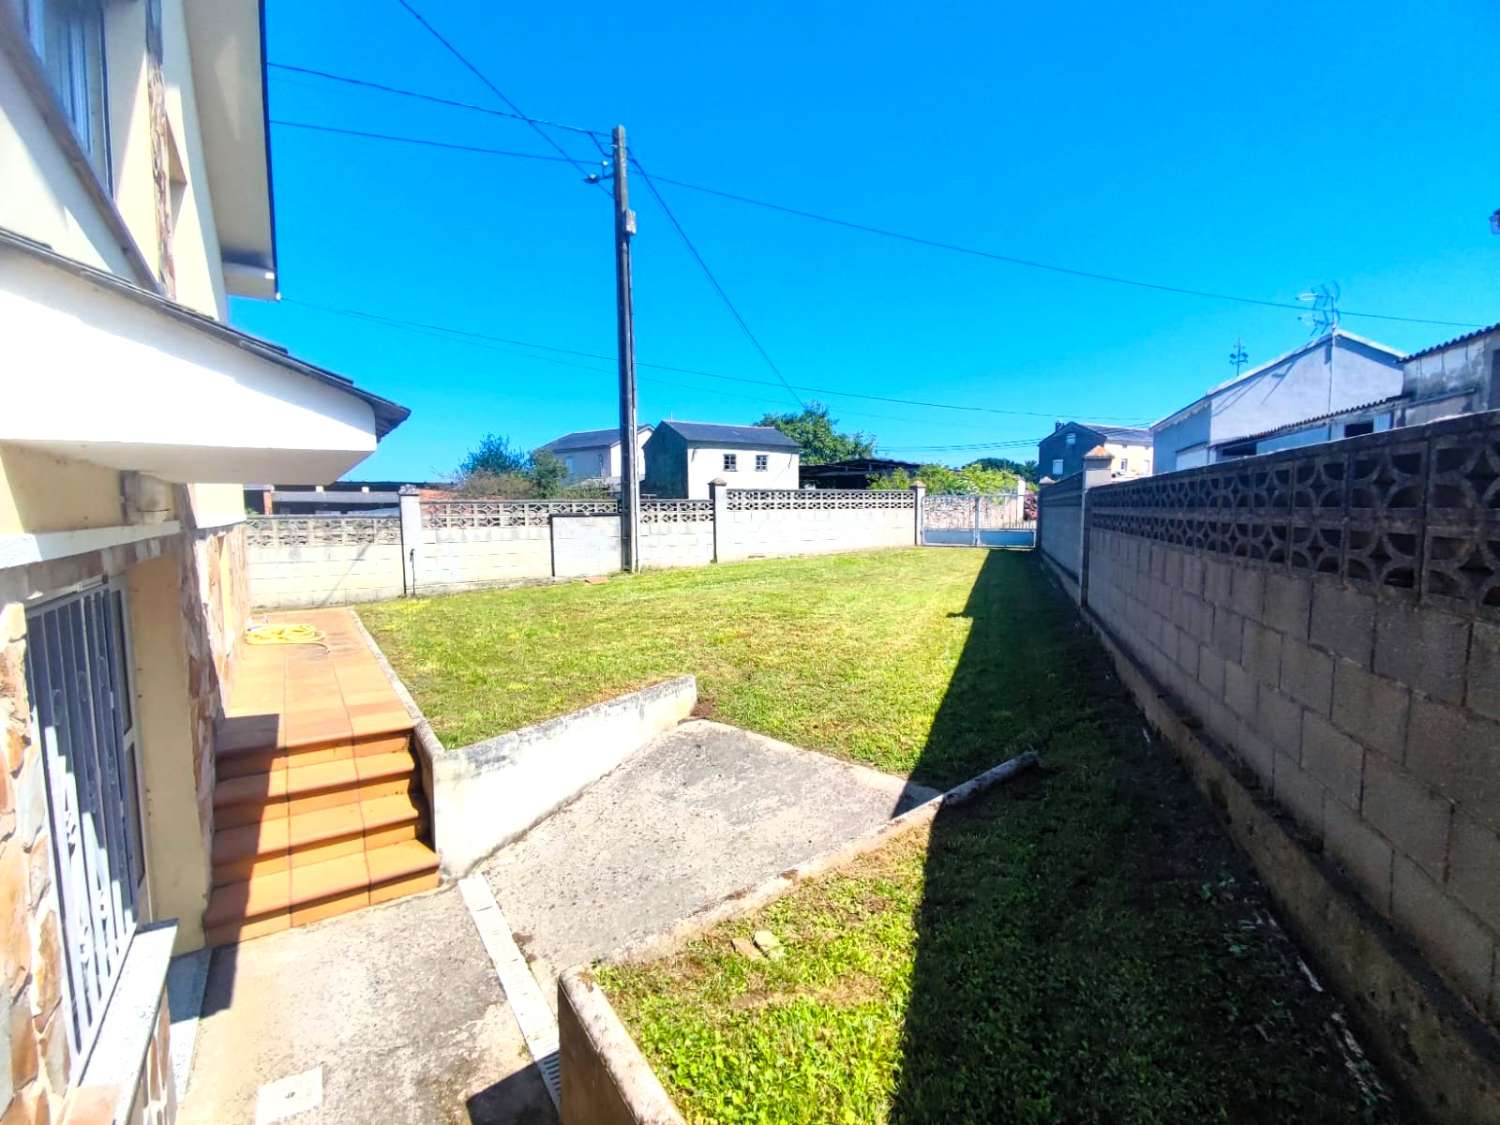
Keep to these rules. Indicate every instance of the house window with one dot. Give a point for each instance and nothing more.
(731, 462)
(568, 464)
(76, 673)
(1072, 439)
(1124, 464)
(762, 462)
(1355, 429)
(1057, 467)
(68, 37)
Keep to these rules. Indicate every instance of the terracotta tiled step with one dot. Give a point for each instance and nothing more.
(276, 900)
(260, 746)
(276, 843)
(293, 789)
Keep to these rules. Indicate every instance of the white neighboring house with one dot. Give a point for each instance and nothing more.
(593, 456)
(683, 457)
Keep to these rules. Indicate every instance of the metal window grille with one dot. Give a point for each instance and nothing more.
(77, 673)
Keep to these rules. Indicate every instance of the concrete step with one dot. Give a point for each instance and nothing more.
(273, 901)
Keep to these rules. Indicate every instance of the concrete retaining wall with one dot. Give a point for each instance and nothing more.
(487, 794)
(758, 529)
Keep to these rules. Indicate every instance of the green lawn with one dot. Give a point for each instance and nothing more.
(849, 654)
(1082, 945)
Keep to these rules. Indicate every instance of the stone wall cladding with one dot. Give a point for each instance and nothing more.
(1344, 640)
(32, 1019)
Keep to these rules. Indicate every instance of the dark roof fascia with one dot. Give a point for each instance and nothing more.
(388, 414)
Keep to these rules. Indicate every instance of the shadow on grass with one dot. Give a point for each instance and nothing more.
(1090, 946)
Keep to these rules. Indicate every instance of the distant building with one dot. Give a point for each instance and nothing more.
(852, 473)
(683, 457)
(342, 497)
(1337, 385)
(1461, 376)
(1060, 454)
(593, 456)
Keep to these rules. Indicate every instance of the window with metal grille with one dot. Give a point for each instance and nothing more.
(77, 673)
(731, 462)
(762, 462)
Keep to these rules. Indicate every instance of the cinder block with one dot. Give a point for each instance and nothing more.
(1362, 852)
(1218, 582)
(1484, 670)
(1192, 573)
(1278, 718)
(1187, 653)
(1307, 676)
(1257, 753)
(1263, 653)
(1343, 621)
(1333, 758)
(1371, 708)
(1458, 754)
(1300, 794)
(1239, 690)
(1424, 648)
(1287, 604)
(1229, 633)
(1474, 869)
(1211, 671)
(1460, 947)
(1200, 620)
(1172, 573)
(1409, 813)
(1246, 591)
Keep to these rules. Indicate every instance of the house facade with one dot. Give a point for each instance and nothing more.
(1337, 378)
(683, 458)
(593, 456)
(136, 199)
(1061, 453)
(1460, 376)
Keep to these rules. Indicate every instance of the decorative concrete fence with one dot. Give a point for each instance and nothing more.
(441, 546)
(1332, 616)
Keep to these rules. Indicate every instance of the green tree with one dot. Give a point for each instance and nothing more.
(494, 455)
(815, 432)
(1026, 470)
(546, 474)
(940, 479)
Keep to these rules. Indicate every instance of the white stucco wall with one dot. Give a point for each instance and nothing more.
(705, 463)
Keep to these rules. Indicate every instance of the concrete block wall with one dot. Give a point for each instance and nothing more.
(765, 524)
(467, 558)
(1360, 685)
(1060, 527)
(298, 561)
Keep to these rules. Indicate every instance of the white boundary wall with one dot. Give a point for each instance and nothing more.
(442, 546)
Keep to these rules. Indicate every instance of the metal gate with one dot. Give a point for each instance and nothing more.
(77, 674)
(985, 520)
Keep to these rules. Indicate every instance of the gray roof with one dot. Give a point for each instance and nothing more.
(768, 437)
(1140, 435)
(1446, 344)
(588, 439)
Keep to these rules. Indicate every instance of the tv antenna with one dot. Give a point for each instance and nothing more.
(1323, 316)
(1239, 357)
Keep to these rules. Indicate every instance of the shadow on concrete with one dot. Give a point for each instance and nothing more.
(1090, 945)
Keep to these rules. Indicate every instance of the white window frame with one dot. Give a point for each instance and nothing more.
(75, 70)
(98, 924)
(1057, 468)
(1072, 439)
(762, 463)
(731, 462)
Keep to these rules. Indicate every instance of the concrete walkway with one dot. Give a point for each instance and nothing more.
(389, 1014)
(704, 810)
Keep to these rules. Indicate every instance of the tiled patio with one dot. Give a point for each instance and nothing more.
(318, 805)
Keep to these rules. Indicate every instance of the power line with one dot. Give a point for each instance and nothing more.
(714, 281)
(499, 93)
(465, 333)
(1031, 263)
(434, 98)
(418, 141)
(867, 228)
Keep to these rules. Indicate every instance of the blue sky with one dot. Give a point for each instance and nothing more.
(1251, 149)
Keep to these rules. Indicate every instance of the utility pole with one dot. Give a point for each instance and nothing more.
(630, 483)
